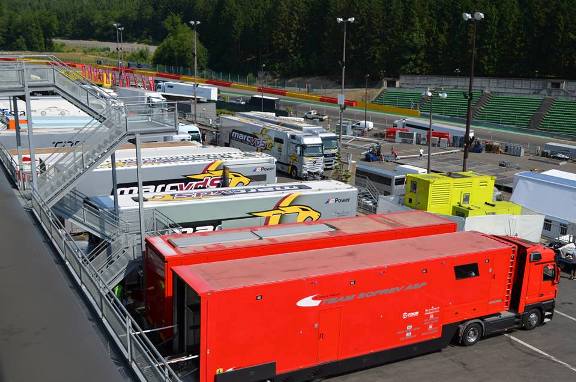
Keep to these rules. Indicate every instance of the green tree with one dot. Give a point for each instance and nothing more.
(178, 47)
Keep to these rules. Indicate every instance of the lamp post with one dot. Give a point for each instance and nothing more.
(341, 102)
(430, 94)
(474, 19)
(121, 29)
(195, 24)
(262, 87)
(366, 99)
(117, 26)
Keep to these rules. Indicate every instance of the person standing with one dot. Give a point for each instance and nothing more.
(421, 152)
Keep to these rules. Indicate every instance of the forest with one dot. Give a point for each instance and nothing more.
(517, 38)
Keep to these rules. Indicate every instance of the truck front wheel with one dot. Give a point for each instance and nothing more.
(471, 334)
(532, 319)
(294, 172)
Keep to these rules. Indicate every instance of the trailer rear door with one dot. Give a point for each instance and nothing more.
(328, 334)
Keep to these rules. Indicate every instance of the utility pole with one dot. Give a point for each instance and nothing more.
(121, 29)
(117, 25)
(366, 100)
(341, 100)
(474, 19)
(262, 87)
(195, 24)
(430, 94)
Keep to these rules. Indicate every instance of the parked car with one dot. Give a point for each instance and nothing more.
(560, 156)
(314, 115)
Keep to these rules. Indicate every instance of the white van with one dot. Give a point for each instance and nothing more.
(363, 125)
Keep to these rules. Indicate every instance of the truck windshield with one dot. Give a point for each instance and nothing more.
(195, 136)
(330, 143)
(313, 151)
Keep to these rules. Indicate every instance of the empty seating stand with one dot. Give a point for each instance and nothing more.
(408, 99)
(454, 105)
(561, 118)
(509, 110)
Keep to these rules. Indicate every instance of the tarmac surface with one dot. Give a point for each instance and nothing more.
(547, 353)
(47, 333)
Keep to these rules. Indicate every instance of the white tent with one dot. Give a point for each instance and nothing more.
(551, 193)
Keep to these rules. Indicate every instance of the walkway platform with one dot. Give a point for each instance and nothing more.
(47, 332)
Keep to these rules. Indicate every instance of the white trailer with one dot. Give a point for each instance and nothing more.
(553, 148)
(138, 96)
(208, 210)
(421, 127)
(329, 139)
(178, 168)
(298, 154)
(204, 93)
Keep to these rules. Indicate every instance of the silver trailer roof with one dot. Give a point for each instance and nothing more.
(259, 123)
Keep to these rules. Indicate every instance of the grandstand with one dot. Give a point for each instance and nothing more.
(558, 115)
(509, 110)
(561, 118)
(454, 105)
(408, 99)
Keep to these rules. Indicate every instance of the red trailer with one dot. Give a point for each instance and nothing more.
(312, 314)
(165, 252)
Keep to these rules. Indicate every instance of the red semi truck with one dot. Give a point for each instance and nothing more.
(165, 252)
(312, 314)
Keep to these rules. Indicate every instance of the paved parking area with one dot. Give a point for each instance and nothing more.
(547, 353)
(445, 160)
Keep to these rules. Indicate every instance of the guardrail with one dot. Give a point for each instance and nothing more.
(16, 176)
(146, 362)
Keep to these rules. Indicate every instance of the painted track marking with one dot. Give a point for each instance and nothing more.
(535, 349)
(565, 315)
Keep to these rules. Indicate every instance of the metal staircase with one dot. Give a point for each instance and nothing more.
(119, 256)
(367, 195)
(99, 222)
(113, 122)
(96, 272)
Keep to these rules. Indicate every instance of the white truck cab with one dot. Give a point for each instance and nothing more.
(363, 125)
(190, 130)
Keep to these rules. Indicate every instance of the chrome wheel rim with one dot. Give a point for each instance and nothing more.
(472, 335)
(533, 319)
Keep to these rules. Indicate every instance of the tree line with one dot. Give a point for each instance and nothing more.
(517, 38)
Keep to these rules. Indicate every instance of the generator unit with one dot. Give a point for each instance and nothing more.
(439, 193)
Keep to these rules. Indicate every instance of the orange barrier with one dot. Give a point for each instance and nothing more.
(390, 109)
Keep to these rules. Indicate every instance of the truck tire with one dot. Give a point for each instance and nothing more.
(294, 172)
(471, 334)
(532, 319)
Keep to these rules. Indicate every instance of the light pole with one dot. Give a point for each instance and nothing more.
(430, 94)
(262, 87)
(117, 25)
(474, 19)
(341, 102)
(121, 29)
(195, 24)
(366, 99)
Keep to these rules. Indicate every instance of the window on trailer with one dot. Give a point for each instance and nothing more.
(466, 271)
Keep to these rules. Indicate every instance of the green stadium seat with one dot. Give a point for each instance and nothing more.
(561, 118)
(408, 99)
(509, 110)
(454, 105)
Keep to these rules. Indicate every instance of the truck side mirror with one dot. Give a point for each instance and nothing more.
(535, 256)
